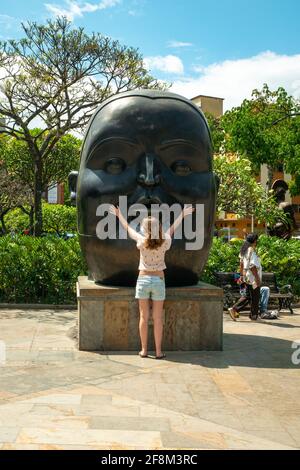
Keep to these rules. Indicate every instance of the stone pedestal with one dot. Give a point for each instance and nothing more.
(109, 318)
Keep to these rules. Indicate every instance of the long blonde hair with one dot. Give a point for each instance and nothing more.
(153, 232)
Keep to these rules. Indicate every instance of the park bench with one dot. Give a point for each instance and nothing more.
(283, 296)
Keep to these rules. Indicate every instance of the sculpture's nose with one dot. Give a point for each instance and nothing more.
(149, 171)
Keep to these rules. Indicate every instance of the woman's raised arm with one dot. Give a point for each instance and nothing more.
(131, 232)
(186, 211)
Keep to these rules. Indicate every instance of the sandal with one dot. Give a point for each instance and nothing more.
(163, 356)
(143, 355)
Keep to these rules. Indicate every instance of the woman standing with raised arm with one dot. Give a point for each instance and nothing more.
(153, 245)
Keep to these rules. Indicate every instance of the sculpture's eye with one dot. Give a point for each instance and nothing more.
(181, 168)
(115, 166)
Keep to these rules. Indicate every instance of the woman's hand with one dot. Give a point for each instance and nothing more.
(114, 210)
(187, 210)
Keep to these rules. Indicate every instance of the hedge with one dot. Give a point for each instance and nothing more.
(39, 270)
(45, 270)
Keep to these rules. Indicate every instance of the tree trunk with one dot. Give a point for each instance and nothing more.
(31, 220)
(30, 214)
(270, 177)
(38, 216)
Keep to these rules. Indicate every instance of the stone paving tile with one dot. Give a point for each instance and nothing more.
(9, 446)
(107, 410)
(185, 425)
(60, 399)
(90, 437)
(95, 400)
(256, 443)
(8, 433)
(51, 394)
(280, 437)
(259, 419)
(193, 440)
(224, 418)
(134, 424)
(291, 424)
(54, 410)
(34, 420)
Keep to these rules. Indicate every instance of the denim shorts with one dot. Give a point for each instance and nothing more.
(150, 287)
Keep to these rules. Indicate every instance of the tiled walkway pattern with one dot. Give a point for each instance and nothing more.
(53, 396)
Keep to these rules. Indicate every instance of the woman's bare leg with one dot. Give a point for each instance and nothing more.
(157, 310)
(144, 306)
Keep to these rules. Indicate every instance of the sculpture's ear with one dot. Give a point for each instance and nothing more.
(217, 180)
(72, 180)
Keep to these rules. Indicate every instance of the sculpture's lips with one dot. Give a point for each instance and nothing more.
(147, 201)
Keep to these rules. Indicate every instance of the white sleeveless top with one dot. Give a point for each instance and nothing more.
(153, 260)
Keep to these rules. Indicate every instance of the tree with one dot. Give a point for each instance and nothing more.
(55, 166)
(240, 193)
(266, 129)
(217, 132)
(12, 194)
(59, 75)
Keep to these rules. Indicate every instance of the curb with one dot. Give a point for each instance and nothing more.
(39, 306)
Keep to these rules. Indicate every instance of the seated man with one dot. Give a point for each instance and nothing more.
(263, 304)
(245, 299)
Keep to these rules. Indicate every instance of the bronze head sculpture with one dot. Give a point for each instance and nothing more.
(152, 147)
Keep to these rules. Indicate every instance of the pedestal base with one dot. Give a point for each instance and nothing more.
(109, 318)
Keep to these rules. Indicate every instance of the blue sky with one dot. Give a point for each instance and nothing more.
(219, 47)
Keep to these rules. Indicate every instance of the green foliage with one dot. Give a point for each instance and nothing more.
(56, 165)
(282, 257)
(39, 270)
(216, 132)
(279, 256)
(240, 193)
(45, 270)
(16, 221)
(57, 219)
(266, 129)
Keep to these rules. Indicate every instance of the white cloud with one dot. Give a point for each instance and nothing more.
(175, 44)
(73, 8)
(167, 64)
(8, 22)
(234, 80)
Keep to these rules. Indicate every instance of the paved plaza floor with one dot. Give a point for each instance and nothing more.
(53, 396)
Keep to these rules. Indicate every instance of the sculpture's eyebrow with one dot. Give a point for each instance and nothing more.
(120, 139)
(168, 143)
(117, 139)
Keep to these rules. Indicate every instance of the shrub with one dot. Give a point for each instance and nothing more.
(39, 270)
(57, 218)
(16, 220)
(45, 270)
